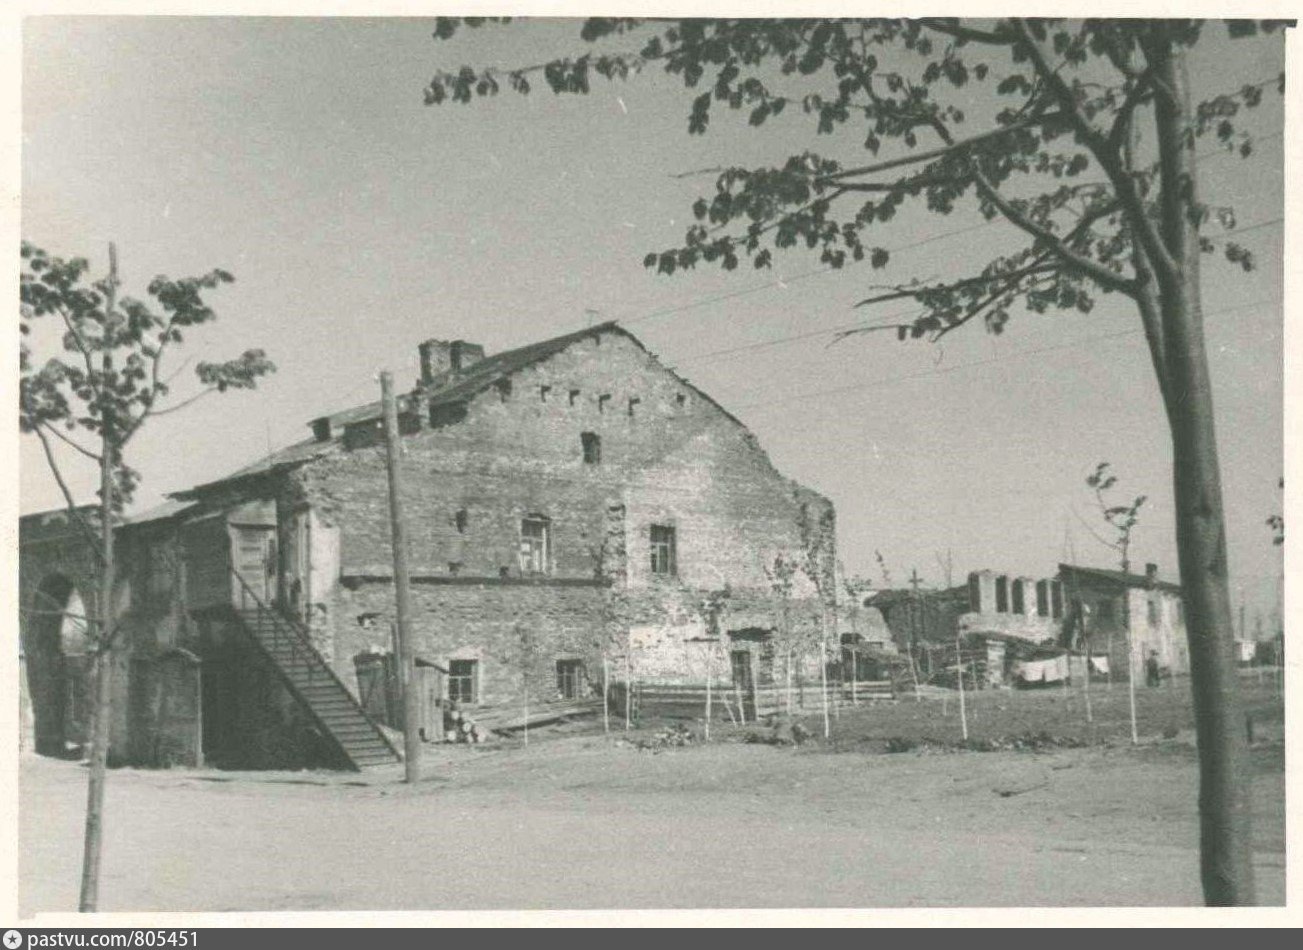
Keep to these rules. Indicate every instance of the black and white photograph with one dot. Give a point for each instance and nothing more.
(569, 462)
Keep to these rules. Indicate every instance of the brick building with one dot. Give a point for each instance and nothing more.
(573, 506)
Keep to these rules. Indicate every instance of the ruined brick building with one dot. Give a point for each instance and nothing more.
(574, 506)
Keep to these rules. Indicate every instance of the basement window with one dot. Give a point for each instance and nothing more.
(570, 678)
(462, 685)
(663, 554)
(592, 445)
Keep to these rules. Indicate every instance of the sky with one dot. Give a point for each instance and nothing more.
(297, 154)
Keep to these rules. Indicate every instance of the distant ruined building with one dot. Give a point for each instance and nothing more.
(576, 510)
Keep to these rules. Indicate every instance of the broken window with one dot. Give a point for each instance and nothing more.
(663, 556)
(1002, 595)
(462, 685)
(570, 678)
(535, 538)
(592, 443)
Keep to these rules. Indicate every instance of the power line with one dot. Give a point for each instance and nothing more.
(800, 397)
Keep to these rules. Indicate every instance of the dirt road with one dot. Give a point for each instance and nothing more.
(584, 822)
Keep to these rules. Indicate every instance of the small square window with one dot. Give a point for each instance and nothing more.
(462, 685)
(570, 678)
(681, 399)
(663, 553)
(592, 445)
(454, 568)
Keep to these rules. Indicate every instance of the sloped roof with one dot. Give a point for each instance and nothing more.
(446, 388)
(1117, 578)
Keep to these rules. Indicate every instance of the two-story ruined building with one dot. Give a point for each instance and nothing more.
(576, 510)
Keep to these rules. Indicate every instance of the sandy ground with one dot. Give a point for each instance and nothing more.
(583, 820)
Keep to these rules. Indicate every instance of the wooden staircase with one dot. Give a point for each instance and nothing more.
(313, 683)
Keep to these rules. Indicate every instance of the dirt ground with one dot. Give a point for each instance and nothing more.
(578, 819)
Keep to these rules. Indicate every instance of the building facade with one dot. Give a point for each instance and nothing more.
(577, 514)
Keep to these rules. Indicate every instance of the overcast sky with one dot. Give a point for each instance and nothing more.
(298, 155)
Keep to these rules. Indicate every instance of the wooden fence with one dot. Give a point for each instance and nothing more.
(730, 703)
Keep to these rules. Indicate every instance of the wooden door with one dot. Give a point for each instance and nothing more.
(254, 557)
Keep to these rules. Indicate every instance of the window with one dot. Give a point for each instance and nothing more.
(1104, 610)
(602, 400)
(663, 560)
(461, 681)
(1179, 608)
(570, 678)
(1043, 598)
(1056, 599)
(454, 568)
(460, 519)
(1155, 613)
(534, 544)
(592, 443)
(504, 388)
(160, 572)
(633, 405)
(681, 399)
(1019, 600)
(574, 396)
(543, 392)
(1002, 595)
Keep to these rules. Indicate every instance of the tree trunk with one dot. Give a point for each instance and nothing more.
(1224, 775)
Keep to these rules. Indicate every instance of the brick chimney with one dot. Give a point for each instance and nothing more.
(447, 356)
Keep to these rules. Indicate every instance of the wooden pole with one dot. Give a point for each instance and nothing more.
(963, 709)
(710, 656)
(1131, 687)
(789, 682)
(402, 593)
(606, 694)
(855, 681)
(1089, 714)
(628, 689)
(92, 844)
(823, 680)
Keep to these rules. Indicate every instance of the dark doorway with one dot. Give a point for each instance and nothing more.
(58, 668)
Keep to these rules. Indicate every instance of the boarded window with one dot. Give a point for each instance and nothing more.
(535, 542)
(592, 444)
(570, 678)
(663, 554)
(462, 685)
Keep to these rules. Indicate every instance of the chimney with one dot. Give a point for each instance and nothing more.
(447, 356)
(321, 429)
(1151, 573)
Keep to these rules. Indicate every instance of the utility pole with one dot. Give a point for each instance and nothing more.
(398, 533)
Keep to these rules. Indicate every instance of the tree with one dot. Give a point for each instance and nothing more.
(94, 396)
(1058, 99)
(1121, 518)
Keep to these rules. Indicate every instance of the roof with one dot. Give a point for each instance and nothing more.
(1117, 578)
(445, 389)
(161, 512)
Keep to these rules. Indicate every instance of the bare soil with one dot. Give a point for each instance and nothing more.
(579, 819)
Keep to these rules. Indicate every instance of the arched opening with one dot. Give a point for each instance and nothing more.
(58, 667)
